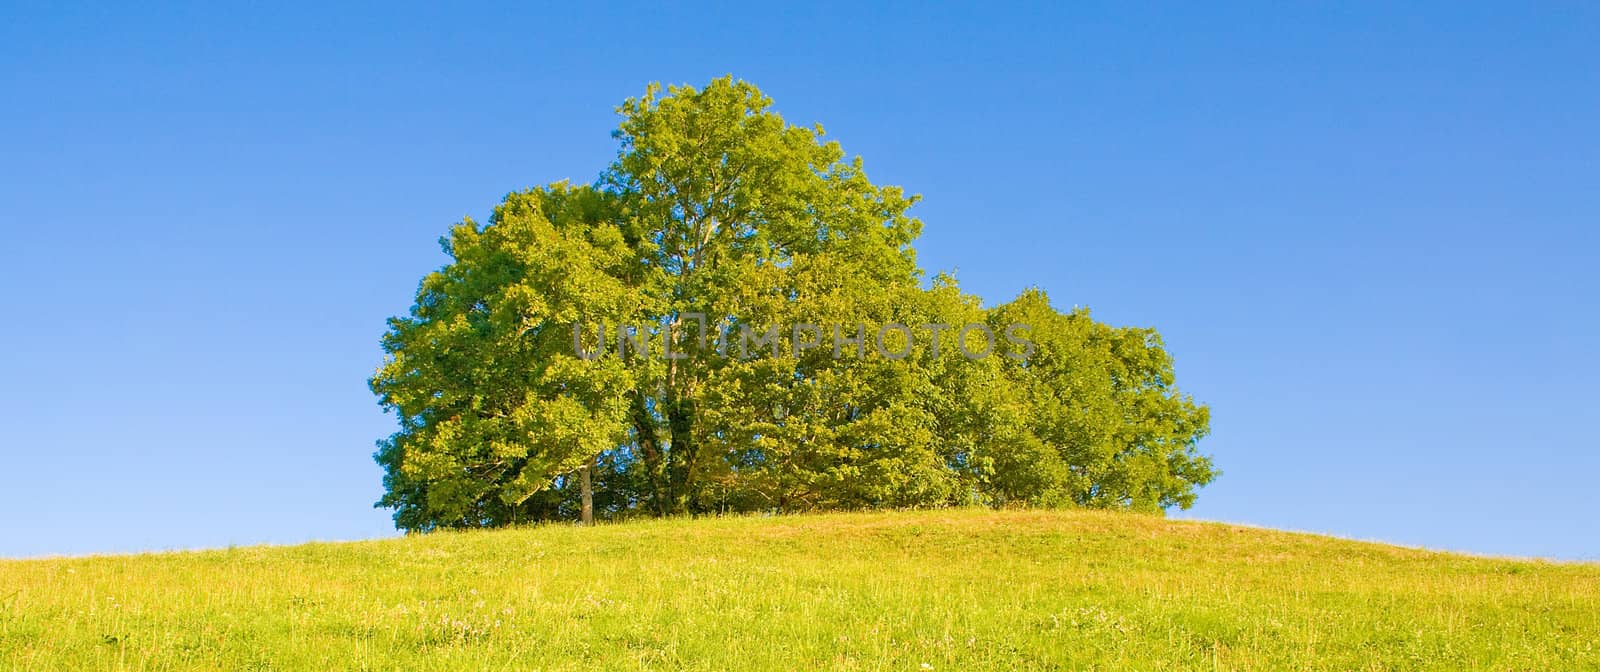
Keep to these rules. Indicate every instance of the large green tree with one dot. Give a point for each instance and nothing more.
(717, 221)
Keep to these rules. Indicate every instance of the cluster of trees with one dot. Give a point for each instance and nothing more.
(716, 206)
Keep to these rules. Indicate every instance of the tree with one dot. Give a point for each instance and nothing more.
(1103, 425)
(734, 214)
(720, 218)
(494, 404)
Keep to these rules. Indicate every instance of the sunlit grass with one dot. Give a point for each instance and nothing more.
(947, 590)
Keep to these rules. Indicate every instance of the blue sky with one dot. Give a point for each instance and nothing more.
(1366, 233)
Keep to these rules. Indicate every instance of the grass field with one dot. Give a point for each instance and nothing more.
(948, 590)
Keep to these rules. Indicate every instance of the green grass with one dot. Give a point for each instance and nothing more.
(947, 590)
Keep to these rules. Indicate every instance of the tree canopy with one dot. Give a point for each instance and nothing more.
(731, 318)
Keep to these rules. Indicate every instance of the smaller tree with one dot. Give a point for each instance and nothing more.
(1105, 427)
(495, 405)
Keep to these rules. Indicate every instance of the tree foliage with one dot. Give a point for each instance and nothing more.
(717, 219)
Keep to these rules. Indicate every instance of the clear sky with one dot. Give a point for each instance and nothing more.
(1367, 234)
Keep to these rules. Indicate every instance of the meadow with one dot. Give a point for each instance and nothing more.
(933, 590)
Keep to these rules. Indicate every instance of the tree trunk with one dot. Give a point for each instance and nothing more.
(586, 494)
(680, 461)
(645, 433)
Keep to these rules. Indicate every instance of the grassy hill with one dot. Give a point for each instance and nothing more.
(947, 590)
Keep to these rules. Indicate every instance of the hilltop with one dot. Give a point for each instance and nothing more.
(941, 590)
